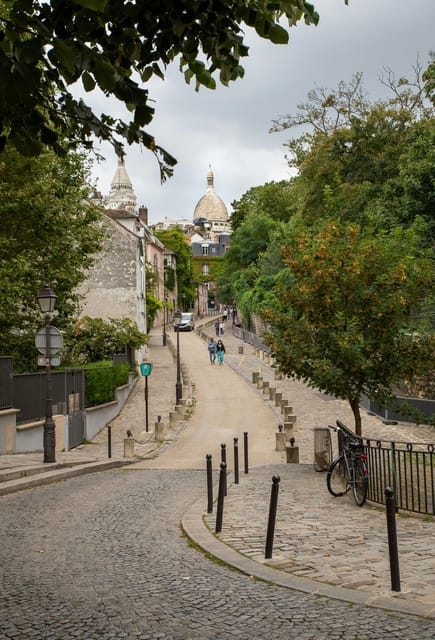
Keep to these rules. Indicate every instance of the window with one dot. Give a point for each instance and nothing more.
(205, 249)
(205, 269)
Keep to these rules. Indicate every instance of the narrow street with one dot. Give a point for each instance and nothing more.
(103, 556)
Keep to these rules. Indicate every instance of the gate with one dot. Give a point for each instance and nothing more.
(68, 388)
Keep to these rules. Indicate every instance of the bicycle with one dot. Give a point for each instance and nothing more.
(349, 469)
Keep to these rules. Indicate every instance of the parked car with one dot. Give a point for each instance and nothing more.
(187, 322)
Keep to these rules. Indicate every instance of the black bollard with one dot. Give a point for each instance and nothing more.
(109, 441)
(390, 509)
(221, 495)
(224, 459)
(245, 450)
(236, 461)
(209, 484)
(272, 516)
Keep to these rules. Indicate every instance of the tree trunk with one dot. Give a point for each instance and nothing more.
(354, 405)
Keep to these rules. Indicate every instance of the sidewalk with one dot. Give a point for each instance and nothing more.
(322, 544)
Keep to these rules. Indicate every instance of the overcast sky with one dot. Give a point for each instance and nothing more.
(228, 128)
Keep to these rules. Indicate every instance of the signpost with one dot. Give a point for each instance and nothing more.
(145, 369)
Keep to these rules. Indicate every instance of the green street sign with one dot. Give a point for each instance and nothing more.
(145, 368)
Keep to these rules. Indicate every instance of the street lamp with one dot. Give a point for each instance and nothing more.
(165, 302)
(47, 303)
(178, 385)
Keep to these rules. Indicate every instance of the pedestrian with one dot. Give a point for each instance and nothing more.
(212, 350)
(221, 328)
(225, 314)
(220, 350)
(217, 327)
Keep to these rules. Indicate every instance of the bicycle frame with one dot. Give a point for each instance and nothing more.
(349, 467)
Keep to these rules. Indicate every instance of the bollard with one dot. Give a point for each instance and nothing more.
(390, 510)
(266, 387)
(260, 382)
(109, 441)
(278, 398)
(240, 350)
(272, 392)
(236, 461)
(224, 459)
(255, 375)
(280, 441)
(221, 495)
(209, 483)
(292, 452)
(128, 447)
(272, 516)
(245, 450)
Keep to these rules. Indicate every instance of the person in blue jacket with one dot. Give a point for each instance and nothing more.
(212, 350)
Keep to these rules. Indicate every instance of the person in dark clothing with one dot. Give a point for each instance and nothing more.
(220, 350)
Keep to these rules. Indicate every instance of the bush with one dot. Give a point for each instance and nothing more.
(101, 380)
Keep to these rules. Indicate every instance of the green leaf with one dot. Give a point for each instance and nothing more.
(88, 81)
(278, 35)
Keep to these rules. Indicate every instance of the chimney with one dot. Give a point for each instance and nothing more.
(143, 214)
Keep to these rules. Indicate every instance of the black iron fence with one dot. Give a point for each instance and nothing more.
(409, 468)
(29, 393)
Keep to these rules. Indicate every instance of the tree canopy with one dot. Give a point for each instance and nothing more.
(49, 233)
(117, 46)
(340, 321)
(173, 239)
(360, 221)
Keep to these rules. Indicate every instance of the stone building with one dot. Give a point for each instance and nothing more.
(116, 286)
(212, 236)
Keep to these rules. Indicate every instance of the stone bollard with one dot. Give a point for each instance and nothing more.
(240, 350)
(287, 411)
(278, 398)
(272, 392)
(292, 452)
(159, 429)
(173, 418)
(278, 374)
(260, 382)
(128, 447)
(289, 430)
(255, 376)
(265, 387)
(280, 441)
(283, 403)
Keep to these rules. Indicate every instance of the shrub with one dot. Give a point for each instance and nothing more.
(101, 381)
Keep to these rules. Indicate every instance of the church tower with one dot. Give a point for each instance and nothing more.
(121, 194)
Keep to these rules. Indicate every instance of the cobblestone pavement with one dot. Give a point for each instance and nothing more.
(102, 557)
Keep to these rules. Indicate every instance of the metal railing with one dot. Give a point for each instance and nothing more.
(250, 338)
(409, 468)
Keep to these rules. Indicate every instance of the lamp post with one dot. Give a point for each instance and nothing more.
(47, 303)
(164, 321)
(178, 385)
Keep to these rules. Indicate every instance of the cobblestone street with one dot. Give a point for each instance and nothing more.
(105, 559)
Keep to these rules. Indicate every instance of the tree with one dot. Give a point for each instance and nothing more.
(49, 234)
(94, 339)
(47, 47)
(174, 240)
(341, 317)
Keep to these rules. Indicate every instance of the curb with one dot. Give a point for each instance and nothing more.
(33, 478)
(197, 531)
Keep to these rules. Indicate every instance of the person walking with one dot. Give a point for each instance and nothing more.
(212, 350)
(217, 327)
(221, 328)
(220, 350)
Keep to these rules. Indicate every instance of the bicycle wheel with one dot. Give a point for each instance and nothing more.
(336, 480)
(360, 482)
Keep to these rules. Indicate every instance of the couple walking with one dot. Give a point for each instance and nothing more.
(216, 350)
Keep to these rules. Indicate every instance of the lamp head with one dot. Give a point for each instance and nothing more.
(47, 300)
